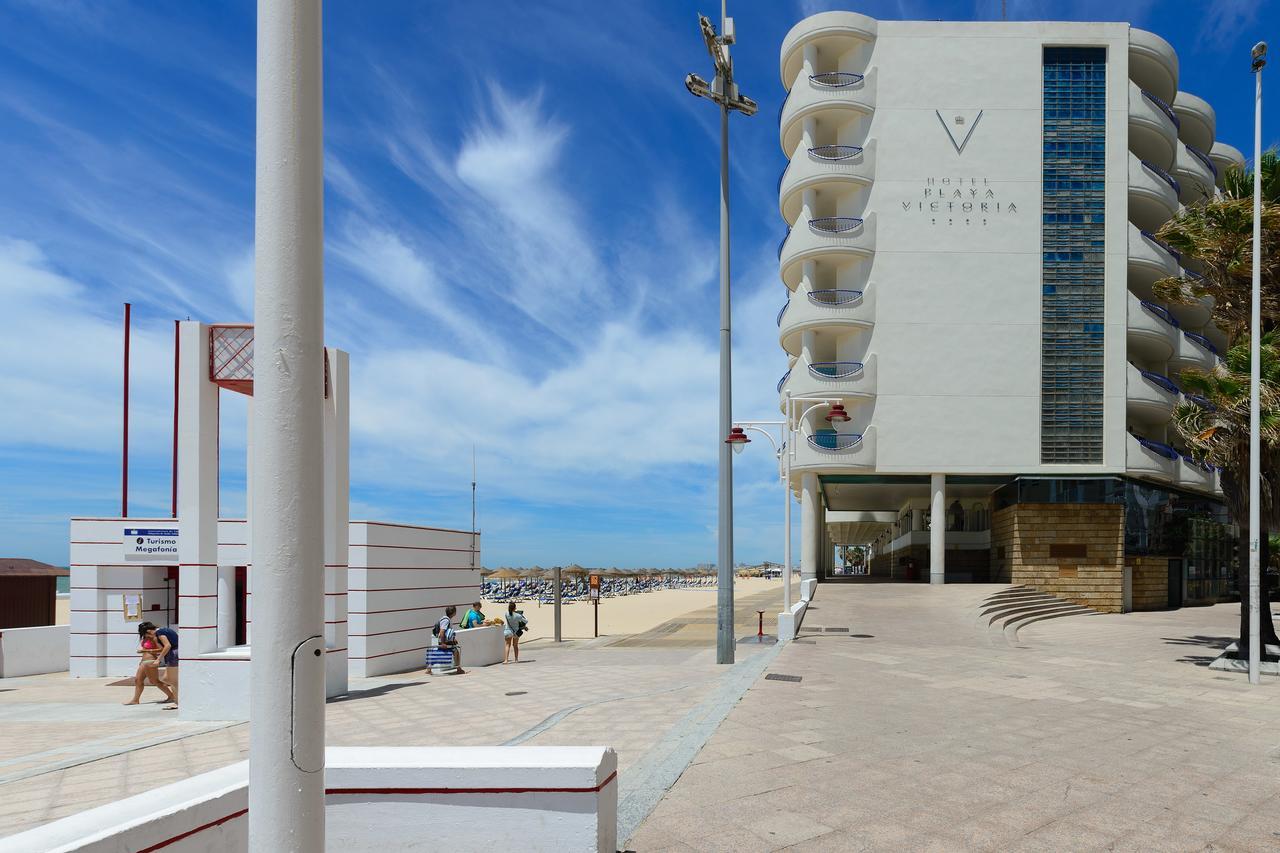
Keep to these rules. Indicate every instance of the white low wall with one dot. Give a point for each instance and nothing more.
(34, 651)
(481, 646)
(526, 798)
(215, 686)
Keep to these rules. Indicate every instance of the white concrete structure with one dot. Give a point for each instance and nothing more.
(195, 572)
(926, 294)
(33, 651)
(376, 799)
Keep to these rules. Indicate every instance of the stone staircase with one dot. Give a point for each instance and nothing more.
(1003, 613)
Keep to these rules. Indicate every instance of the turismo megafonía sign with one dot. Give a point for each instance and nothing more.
(151, 543)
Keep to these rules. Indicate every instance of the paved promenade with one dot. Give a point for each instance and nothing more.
(1092, 733)
(68, 744)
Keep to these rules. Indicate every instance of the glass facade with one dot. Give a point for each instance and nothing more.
(1158, 522)
(1073, 199)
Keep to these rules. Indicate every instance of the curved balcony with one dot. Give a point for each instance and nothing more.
(1225, 157)
(1150, 397)
(1153, 194)
(841, 237)
(1149, 262)
(1191, 473)
(1193, 351)
(831, 33)
(1198, 120)
(839, 310)
(1193, 315)
(1152, 331)
(835, 451)
(830, 165)
(1153, 128)
(844, 379)
(1153, 63)
(1195, 173)
(838, 91)
(1150, 459)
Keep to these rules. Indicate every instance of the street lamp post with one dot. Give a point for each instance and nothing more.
(723, 91)
(1259, 56)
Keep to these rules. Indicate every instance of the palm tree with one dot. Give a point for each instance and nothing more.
(1214, 422)
(1215, 240)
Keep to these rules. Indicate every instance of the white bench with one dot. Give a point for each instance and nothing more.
(562, 798)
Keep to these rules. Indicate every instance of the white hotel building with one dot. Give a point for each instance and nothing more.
(969, 262)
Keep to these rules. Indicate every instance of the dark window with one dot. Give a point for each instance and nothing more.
(1069, 551)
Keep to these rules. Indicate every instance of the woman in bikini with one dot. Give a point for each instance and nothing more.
(149, 667)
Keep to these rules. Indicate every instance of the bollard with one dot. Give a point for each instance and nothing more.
(760, 630)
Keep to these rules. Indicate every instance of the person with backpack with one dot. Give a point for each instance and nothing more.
(515, 626)
(446, 638)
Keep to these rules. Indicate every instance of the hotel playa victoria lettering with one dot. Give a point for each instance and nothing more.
(960, 201)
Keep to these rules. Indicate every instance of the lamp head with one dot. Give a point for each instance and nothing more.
(697, 86)
(1259, 55)
(838, 415)
(737, 439)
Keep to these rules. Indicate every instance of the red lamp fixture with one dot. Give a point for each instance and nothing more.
(737, 439)
(838, 415)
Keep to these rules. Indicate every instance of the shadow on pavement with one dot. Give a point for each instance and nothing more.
(380, 690)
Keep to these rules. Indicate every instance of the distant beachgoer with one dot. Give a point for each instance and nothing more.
(168, 639)
(448, 638)
(515, 626)
(149, 647)
(473, 618)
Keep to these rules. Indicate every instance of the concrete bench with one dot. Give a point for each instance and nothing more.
(379, 799)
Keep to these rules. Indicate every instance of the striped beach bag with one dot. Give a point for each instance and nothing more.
(439, 660)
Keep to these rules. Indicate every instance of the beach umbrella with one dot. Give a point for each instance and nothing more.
(506, 573)
(575, 570)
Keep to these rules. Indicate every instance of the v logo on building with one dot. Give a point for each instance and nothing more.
(959, 124)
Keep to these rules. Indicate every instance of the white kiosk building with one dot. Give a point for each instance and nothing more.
(969, 262)
(385, 584)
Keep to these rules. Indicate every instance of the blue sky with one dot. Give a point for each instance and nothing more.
(521, 222)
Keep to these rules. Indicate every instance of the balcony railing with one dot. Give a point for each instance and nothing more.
(1158, 447)
(783, 243)
(783, 310)
(783, 380)
(1204, 158)
(835, 298)
(835, 369)
(834, 440)
(1202, 402)
(1164, 176)
(1200, 340)
(1160, 312)
(1164, 108)
(834, 153)
(1177, 256)
(1198, 463)
(835, 224)
(835, 79)
(1163, 381)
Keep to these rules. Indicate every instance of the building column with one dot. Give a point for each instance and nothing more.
(809, 532)
(337, 521)
(810, 60)
(197, 492)
(226, 606)
(937, 528)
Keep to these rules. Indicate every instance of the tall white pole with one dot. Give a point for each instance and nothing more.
(286, 741)
(1255, 385)
(786, 526)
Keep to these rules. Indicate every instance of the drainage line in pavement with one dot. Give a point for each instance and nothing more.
(644, 784)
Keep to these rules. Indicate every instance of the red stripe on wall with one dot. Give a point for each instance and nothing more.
(388, 654)
(419, 527)
(192, 832)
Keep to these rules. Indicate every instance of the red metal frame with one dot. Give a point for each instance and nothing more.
(124, 456)
(232, 367)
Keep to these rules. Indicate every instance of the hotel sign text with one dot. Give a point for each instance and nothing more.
(960, 201)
